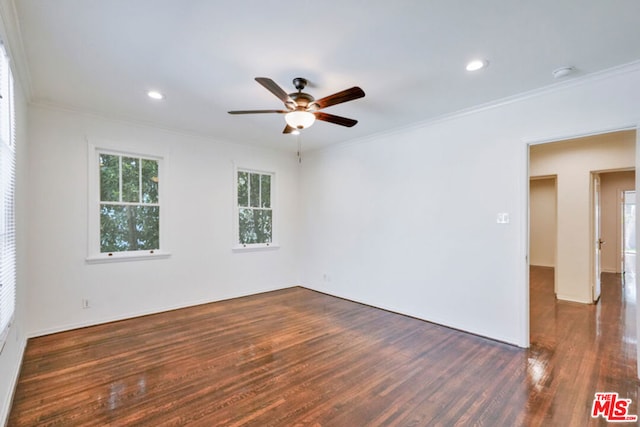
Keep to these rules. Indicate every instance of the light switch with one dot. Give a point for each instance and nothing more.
(503, 218)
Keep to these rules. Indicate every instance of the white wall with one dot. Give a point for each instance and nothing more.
(573, 162)
(407, 220)
(542, 222)
(198, 222)
(611, 187)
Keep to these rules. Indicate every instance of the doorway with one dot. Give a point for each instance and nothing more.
(616, 151)
(543, 223)
(628, 236)
(573, 162)
(613, 224)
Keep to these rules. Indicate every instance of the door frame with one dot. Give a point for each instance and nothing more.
(595, 235)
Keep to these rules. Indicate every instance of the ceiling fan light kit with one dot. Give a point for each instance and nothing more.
(299, 119)
(302, 109)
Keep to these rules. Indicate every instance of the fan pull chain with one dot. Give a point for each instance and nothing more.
(298, 137)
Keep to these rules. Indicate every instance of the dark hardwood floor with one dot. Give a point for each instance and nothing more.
(300, 358)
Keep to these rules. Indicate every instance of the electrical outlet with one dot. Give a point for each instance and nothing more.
(85, 303)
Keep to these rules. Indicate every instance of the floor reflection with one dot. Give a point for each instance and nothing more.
(629, 276)
(578, 350)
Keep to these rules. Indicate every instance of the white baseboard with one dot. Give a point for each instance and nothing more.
(109, 319)
(462, 328)
(571, 298)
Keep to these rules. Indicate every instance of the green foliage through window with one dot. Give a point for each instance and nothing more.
(129, 204)
(255, 214)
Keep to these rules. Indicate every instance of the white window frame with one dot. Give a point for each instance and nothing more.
(94, 254)
(237, 246)
(7, 195)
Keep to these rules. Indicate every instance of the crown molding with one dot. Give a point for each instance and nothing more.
(619, 70)
(11, 33)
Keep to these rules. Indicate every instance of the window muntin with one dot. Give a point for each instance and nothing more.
(129, 203)
(255, 210)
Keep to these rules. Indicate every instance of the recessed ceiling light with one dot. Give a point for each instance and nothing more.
(154, 94)
(477, 64)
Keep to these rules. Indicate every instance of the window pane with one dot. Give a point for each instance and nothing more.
(243, 189)
(113, 229)
(130, 179)
(246, 226)
(265, 189)
(147, 227)
(149, 181)
(254, 185)
(109, 178)
(263, 225)
(129, 228)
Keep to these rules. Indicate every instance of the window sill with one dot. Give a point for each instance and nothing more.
(255, 247)
(126, 256)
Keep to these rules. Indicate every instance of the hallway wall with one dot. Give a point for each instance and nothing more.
(542, 222)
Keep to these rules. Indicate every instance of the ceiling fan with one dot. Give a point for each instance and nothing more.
(302, 109)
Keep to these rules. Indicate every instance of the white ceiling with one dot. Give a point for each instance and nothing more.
(407, 55)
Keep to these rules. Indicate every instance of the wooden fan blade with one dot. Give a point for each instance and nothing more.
(288, 129)
(257, 111)
(331, 118)
(273, 87)
(340, 97)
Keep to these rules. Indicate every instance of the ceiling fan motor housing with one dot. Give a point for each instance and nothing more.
(302, 100)
(300, 83)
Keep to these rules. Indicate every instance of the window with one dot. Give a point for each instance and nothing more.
(7, 199)
(129, 205)
(125, 216)
(255, 210)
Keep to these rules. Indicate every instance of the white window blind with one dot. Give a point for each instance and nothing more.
(7, 199)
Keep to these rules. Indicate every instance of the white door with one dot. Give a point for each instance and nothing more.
(598, 242)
